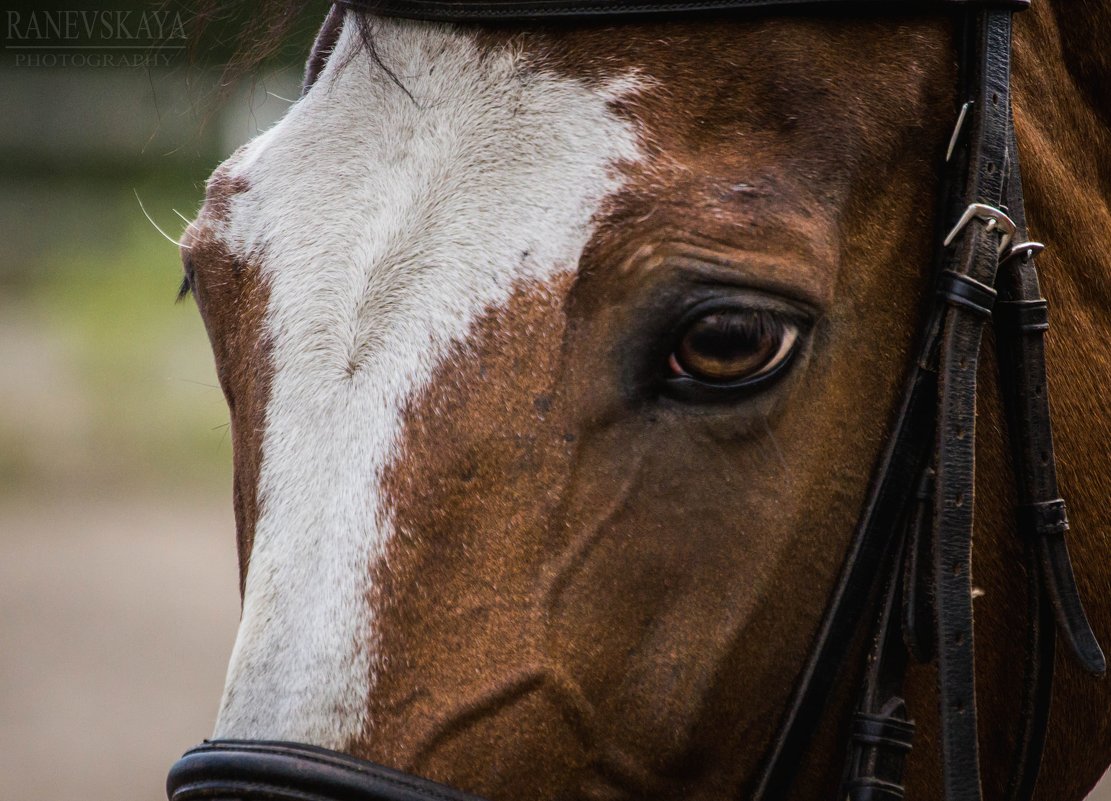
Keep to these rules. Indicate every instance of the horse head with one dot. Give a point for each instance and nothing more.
(558, 360)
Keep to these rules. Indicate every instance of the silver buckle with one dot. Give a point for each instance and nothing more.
(990, 215)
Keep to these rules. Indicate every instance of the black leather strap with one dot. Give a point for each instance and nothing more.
(967, 292)
(881, 733)
(1022, 316)
(918, 601)
(1021, 324)
(883, 730)
(1021, 321)
(1014, 317)
(274, 771)
(975, 254)
(510, 10)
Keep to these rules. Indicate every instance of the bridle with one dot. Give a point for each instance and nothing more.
(911, 552)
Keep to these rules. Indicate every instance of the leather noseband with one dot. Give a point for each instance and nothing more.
(271, 771)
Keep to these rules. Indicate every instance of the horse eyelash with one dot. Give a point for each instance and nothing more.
(185, 290)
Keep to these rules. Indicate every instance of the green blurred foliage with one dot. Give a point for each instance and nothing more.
(107, 385)
(113, 382)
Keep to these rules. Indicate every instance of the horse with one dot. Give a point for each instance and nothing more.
(558, 358)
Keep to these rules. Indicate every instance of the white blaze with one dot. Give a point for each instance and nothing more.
(384, 226)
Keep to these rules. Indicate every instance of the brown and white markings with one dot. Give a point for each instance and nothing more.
(557, 368)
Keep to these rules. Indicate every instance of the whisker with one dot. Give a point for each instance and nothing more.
(279, 97)
(198, 383)
(166, 236)
(184, 219)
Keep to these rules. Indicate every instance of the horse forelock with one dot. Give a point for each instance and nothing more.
(381, 223)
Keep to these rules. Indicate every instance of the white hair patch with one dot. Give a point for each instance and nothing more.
(384, 225)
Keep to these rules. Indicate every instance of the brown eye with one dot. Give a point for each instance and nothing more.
(731, 347)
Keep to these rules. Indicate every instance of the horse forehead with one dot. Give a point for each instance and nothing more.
(384, 210)
(385, 221)
(464, 124)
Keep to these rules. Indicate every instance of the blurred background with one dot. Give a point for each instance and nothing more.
(118, 583)
(118, 588)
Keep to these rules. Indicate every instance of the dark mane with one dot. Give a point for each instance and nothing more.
(246, 36)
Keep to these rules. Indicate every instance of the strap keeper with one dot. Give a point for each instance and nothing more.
(962, 290)
(882, 730)
(1043, 519)
(1027, 316)
(872, 789)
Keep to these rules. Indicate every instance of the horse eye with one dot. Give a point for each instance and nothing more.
(734, 347)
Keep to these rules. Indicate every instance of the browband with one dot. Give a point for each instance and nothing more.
(553, 10)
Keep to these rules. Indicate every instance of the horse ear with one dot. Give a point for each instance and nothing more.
(323, 46)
